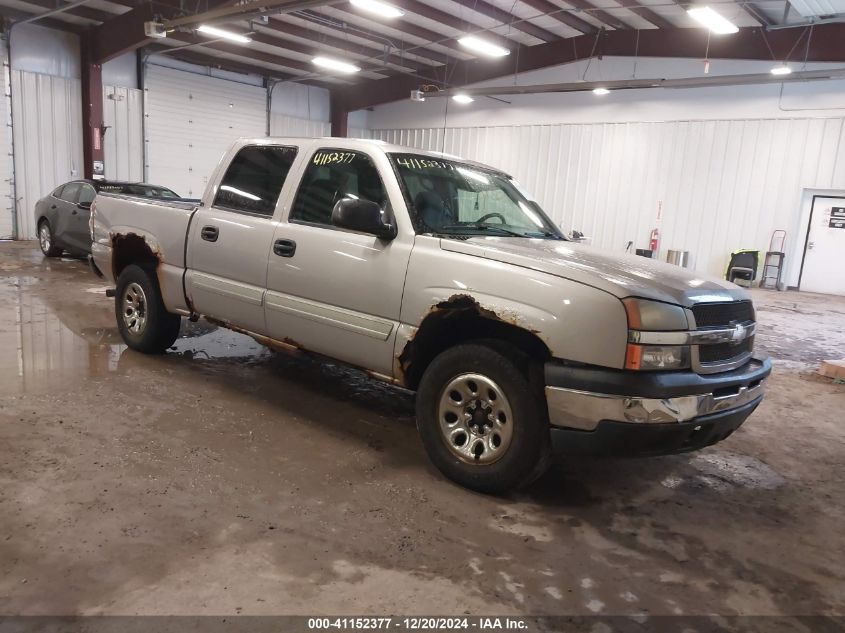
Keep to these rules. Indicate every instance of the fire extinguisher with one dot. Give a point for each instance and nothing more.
(654, 240)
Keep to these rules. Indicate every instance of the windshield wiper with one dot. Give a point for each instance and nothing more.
(479, 227)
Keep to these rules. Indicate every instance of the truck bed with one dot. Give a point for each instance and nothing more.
(162, 225)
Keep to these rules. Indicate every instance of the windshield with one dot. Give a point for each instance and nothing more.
(454, 198)
(138, 189)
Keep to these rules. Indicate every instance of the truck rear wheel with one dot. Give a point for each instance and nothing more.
(143, 322)
(481, 422)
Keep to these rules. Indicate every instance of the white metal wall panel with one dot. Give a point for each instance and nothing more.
(284, 125)
(47, 113)
(123, 143)
(191, 121)
(719, 185)
(6, 170)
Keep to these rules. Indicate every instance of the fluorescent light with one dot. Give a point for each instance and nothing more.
(783, 69)
(601, 91)
(463, 98)
(483, 47)
(336, 64)
(226, 35)
(379, 8)
(712, 20)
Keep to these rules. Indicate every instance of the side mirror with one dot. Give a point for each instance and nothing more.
(85, 206)
(364, 216)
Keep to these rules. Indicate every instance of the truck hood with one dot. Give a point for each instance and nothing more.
(620, 274)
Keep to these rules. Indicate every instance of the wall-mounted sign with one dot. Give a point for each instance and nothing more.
(837, 218)
(99, 170)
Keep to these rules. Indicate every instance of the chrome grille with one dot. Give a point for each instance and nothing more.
(724, 351)
(722, 356)
(722, 314)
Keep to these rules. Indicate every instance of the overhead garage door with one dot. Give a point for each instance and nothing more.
(191, 121)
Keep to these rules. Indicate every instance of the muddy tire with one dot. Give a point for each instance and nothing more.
(482, 423)
(46, 241)
(144, 324)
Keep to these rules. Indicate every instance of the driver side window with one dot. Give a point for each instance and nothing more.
(333, 175)
(87, 195)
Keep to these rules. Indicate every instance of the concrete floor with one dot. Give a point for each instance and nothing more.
(224, 478)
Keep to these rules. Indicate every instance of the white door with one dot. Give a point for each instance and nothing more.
(824, 257)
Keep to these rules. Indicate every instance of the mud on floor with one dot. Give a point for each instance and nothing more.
(224, 478)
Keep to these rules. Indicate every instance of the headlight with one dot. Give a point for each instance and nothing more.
(654, 316)
(651, 357)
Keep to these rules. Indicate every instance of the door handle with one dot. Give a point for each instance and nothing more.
(53, 207)
(74, 212)
(210, 233)
(284, 248)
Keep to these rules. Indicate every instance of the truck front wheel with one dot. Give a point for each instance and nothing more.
(143, 322)
(481, 422)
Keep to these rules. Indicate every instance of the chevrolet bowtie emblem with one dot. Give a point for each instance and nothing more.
(738, 334)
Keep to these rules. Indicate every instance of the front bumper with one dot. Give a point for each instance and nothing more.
(612, 412)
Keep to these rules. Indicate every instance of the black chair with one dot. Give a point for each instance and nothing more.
(743, 266)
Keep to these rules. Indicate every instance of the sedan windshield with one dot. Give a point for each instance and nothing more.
(453, 198)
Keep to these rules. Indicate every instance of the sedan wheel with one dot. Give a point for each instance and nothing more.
(45, 240)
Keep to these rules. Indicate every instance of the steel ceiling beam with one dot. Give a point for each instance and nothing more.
(647, 14)
(250, 7)
(318, 37)
(53, 10)
(364, 32)
(500, 15)
(564, 17)
(757, 13)
(708, 81)
(599, 14)
(748, 43)
(446, 19)
(414, 30)
(241, 51)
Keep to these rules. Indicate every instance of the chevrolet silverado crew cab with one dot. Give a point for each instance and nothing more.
(444, 277)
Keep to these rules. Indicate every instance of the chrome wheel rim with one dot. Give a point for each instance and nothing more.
(475, 419)
(44, 237)
(134, 308)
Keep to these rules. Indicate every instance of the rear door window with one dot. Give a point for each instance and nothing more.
(70, 192)
(254, 179)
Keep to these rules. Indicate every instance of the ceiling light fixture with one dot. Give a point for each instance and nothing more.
(463, 98)
(336, 64)
(716, 22)
(483, 47)
(226, 35)
(601, 91)
(783, 69)
(379, 8)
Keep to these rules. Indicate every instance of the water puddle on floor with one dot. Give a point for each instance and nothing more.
(724, 471)
(53, 337)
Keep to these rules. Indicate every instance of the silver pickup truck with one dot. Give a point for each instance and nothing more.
(441, 276)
